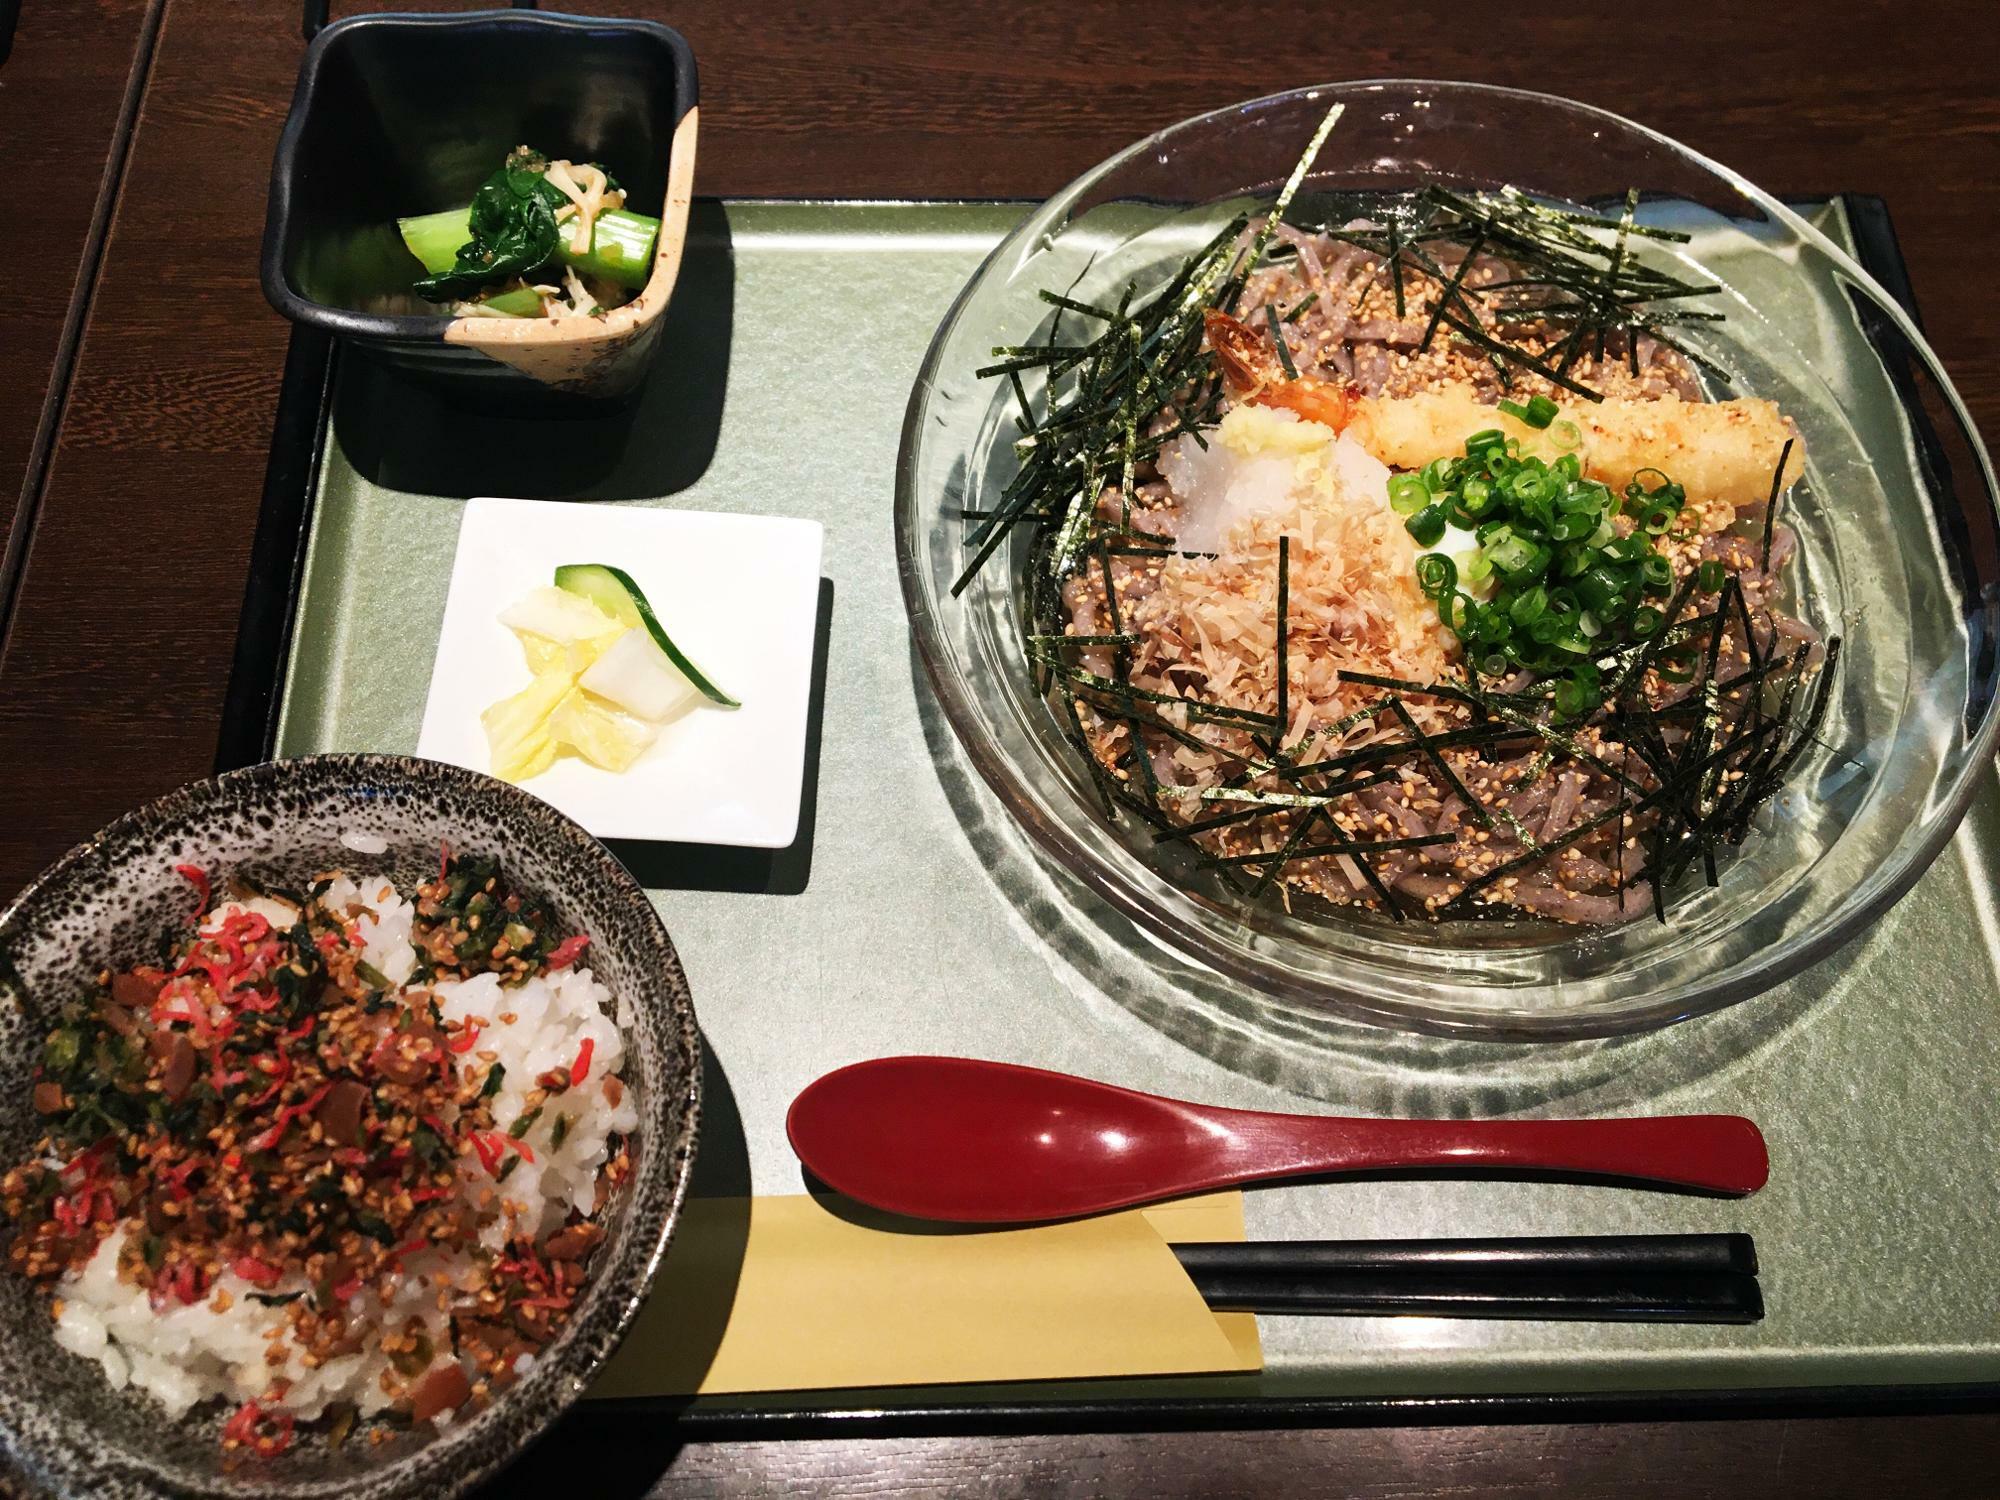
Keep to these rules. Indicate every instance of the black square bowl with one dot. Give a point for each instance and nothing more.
(404, 114)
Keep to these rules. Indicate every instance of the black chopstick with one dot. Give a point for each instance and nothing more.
(1688, 1278)
(1707, 1297)
(1549, 1253)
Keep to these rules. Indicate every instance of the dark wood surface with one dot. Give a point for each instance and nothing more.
(120, 642)
(1945, 1457)
(118, 649)
(71, 64)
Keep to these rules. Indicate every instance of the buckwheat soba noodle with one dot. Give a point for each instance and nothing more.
(1401, 562)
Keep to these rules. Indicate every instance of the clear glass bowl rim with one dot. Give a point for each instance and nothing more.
(1913, 856)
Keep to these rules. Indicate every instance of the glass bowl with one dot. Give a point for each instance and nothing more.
(1896, 521)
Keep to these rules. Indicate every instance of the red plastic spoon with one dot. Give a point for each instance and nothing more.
(986, 1142)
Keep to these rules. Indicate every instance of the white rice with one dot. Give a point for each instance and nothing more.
(551, 1018)
(385, 924)
(183, 1355)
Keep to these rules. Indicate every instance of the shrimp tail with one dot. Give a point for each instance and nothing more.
(1252, 373)
(1247, 361)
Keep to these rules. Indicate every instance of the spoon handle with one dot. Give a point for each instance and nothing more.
(1714, 1153)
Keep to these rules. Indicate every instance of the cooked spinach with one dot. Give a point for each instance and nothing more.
(513, 231)
(473, 904)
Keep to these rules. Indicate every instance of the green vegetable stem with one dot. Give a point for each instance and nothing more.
(510, 229)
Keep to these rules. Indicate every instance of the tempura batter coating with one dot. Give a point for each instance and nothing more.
(1722, 450)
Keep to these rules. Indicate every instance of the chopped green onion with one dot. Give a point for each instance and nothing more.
(1601, 589)
(1408, 494)
(1529, 485)
(1573, 700)
(1427, 525)
(1516, 554)
(1538, 413)
(1436, 574)
(1529, 605)
(1562, 585)
(1709, 577)
(1639, 498)
(1627, 549)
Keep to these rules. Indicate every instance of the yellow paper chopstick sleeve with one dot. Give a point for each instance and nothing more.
(774, 1294)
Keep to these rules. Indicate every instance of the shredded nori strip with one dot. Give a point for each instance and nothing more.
(1284, 632)
(1142, 364)
(1771, 505)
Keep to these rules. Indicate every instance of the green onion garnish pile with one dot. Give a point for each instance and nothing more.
(1565, 586)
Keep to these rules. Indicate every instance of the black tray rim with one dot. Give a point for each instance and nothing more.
(248, 734)
(947, 1418)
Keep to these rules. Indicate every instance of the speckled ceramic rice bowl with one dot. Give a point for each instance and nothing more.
(63, 1428)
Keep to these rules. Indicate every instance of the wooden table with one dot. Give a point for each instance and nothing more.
(150, 373)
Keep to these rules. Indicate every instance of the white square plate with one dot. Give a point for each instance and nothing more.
(739, 594)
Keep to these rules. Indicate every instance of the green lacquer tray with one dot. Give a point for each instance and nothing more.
(912, 916)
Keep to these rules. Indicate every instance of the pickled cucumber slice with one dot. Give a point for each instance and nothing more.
(613, 591)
